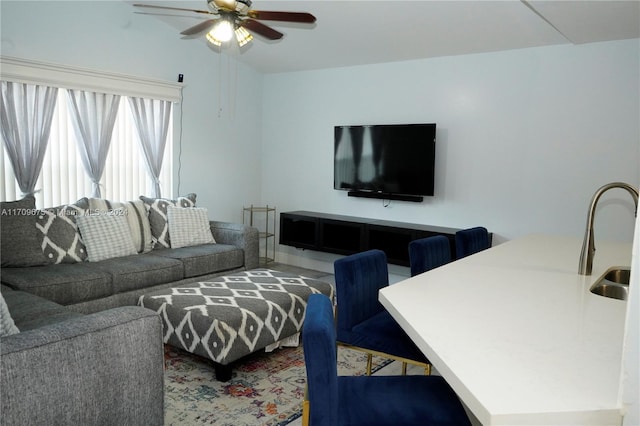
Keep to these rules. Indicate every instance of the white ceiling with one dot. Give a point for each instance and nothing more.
(360, 32)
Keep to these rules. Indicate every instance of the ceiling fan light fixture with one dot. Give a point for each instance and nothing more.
(243, 36)
(229, 18)
(212, 40)
(222, 32)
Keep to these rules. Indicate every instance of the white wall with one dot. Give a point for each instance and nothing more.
(220, 152)
(524, 138)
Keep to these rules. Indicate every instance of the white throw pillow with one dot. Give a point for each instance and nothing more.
(137, 219)
(189, 227)
(106, 235)
(7, 326)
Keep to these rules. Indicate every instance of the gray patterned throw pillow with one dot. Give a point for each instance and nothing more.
(59, 236)
(157, 208)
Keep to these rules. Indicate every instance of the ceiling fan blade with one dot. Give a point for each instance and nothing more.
(201, 27)
(262, 29)
(282, 16)
(173, 8)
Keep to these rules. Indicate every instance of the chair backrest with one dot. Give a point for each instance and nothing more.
(320, 357)
(358, 279)
(472, 240)
(428, 253)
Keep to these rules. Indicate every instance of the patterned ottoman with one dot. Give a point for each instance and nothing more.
(228, 317)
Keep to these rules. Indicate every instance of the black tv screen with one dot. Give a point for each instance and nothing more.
(385, 159)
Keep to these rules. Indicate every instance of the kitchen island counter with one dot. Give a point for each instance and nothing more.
(517, 333)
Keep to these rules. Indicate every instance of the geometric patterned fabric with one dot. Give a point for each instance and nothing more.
(228, 317)
(60, 239)
(157, 209)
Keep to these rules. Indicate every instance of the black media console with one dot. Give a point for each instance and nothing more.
(347, 235)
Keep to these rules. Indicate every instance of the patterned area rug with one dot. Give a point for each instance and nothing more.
(266, 388)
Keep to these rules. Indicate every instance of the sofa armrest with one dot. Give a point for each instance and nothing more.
(243, 236)
(103, 368)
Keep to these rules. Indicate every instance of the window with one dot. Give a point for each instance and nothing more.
(63, 178)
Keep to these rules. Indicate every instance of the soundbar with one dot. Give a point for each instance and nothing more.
(384, 196)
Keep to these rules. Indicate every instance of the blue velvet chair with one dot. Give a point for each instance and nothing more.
(428, 253)
(472, 240)
(363, 323)
(334, 400)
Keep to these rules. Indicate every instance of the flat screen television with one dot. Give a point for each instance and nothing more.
(393, 161)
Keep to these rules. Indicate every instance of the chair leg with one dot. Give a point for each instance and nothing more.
(369, 363)
(404, 368)
(305, 412)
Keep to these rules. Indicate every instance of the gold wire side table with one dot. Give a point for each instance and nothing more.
(263, 218)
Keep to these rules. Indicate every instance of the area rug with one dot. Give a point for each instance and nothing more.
(266, 388)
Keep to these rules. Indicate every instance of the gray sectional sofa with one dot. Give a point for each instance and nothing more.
(85, 354)
(65, 368)
(87, 287)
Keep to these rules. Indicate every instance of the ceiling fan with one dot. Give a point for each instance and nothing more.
(235, 17)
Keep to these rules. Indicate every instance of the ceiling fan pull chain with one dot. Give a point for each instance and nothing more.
(232, 90)
(220, 86)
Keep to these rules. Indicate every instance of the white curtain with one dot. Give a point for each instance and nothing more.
(152, 121)
(25, 116)
(94, 115)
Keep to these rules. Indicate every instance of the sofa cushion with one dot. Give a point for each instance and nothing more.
(140, 271)
(189, 227)
(7, 324)
(65, 284)
(137, 220)
(19, 236)
(206, 258)
(157, 208)
(31, 311)
(106, 235)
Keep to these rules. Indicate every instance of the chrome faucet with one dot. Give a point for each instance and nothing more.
(588, 246)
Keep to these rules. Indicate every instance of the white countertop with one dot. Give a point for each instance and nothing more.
(517, 333)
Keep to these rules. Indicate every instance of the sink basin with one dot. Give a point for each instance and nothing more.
(618, 275)
(614, 284)
(614, 291)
